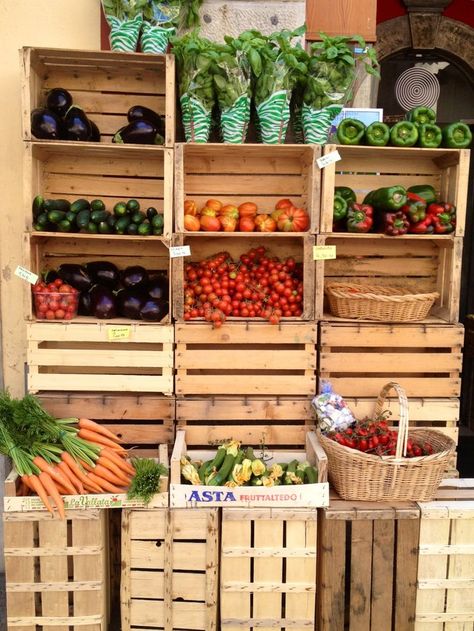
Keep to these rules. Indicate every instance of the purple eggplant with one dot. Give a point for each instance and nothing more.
(130, 302)
(158, 287)
(95, 134)
(76, 124)
(154, 310)
(139, 131)
(84, 303)
(46, 125)
(135, 276)
(59, 101)
(140, 112)
(103, 302)
(104, 273)
(75, 275)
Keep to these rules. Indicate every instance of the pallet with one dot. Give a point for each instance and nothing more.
(169, 569)
(112, 173)
(80, 357)
(421, 264)
(367, 168)
(445, 596)
(245, 359)
(368, 563)
(277, 422)
(359, 359)
(268, 569)
(104, 84)
(56, 571)
(257, 173)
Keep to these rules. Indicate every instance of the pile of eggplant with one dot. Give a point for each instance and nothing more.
(145, 127)
(106, 292)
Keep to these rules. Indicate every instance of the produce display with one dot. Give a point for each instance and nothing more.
(69, 456)
(91, 217)
(214, 217)
(234, 466)
(256, 286)
(419, 129)
(55, 301)
(104, 292)
(394, 211)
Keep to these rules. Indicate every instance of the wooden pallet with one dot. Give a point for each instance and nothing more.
(246, 359)
(445, 596)
(367, 168)
(169, 569)
(277, 422)
(368, 563)
(419, 263)
(257, 173)
(359, 359)
(268, 569)
(104, 84)
(203, 246)
(80, 357)
(56, 571)
(112, 173)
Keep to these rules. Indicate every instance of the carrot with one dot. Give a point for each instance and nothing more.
(34, 482)
(57, 475)
(116, 459)
(75, 468)
(77, 484)
(85, 423)
(94, 437)
(106, 474)
(86, 466)
(105, 462)
(48, 483)
(107, 486)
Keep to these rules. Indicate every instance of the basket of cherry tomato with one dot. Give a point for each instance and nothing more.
(369, 461)
(55, 301)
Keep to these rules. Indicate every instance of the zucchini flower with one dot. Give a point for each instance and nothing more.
(267, 480)
(231, 484)
(246, 469)
(237, 475)
(292, 478)
(189, 473)
(232, 448)
(211, 476)
(258, 467)
(276, 471)
(301, 468)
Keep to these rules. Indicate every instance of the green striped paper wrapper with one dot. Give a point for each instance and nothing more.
(124, 33)
(274, 116)
(235, 120)
(155, 39)
(317, 122)
(196, 119)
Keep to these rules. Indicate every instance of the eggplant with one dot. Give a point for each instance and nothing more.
(95, 133)
(103, 302)
(158, 288)
(84, 303)
(46, 125)
(139, 131)
(76, 124)
(59, 101)
(154, 310)
(135, 276)
(75, 275)
(139, 112)
(130, 302)
(104, 273)
(50, 276)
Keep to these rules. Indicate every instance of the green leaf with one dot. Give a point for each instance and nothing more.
(332, 52)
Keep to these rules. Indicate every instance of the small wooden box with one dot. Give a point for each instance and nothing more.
(245, 359)
(104, 84)
(367, 168)
(235, 174)
(169, 569)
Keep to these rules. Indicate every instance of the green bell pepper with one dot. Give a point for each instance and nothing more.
(430, 136)
(422, 115)
(360, 218)
(377, 134)
(457, 136)
(389, 199)
(415, 208)
(350, 131)
(345, 192)
(340, 208)
(426, 191)
(404, 134)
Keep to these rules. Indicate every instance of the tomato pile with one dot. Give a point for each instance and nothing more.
(255, 286)
(55, 301)
(375, 437)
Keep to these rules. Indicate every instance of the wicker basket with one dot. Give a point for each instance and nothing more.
(376, 302)
(359, 476)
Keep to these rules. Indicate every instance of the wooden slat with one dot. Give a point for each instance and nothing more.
(407, 563)
(403, 362)
(245, 384)
(243, 359)
(382, 574)
(187, 555)
(246, 333)
(266, 605)
(106, 383)
(332, 569)
(301, 602)
(186, 615)
(411, 336)
(19, 570)
(233, 604)
(361, 575)
(72, 332)
(52, 568)
(151, 585)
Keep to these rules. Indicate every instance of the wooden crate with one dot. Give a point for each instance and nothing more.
(368, 562)
(104, 84)
(56, 571)
(277, 422)
(143, 421)
(367, 168)
(268, 568)
(80, 357)
(169, 569)
(257, 173)
(359, 359)
(245, 359)
(342, 18)
(419, 263)
(112, 173)
(202, 246)
(445, 595)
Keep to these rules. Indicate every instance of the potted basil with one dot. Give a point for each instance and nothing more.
(125, 19)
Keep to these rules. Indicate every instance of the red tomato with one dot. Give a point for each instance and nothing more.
(60, 313)
(293, 220)
(49, 315)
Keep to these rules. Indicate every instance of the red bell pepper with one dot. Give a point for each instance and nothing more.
(423, 227)
(395, 224)
(360, 218)
(415, 208)
(444, 217)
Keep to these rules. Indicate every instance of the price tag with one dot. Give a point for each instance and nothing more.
(25, 274)
(328, 159)
(324, 252)
(115, 333)
(180, 250)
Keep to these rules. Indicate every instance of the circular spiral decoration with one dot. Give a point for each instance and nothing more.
(417, 86)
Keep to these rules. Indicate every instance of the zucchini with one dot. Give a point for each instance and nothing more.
(97, 204)
(132, 228)
(120, 209)
(57, 204)
(138, 217)
(64, 226)
(144, 229)
(99, 215)
(310, 475)
(151, 212)
(133, 205)
(224, 471)
(111, 221)
(55, 216)
(121, 225)
(158, 222)
(42, 220)
(104, 228)
(38, 204)
(70, 216)
(80, 204)
(82, 219)
(92, 228)
(203, 470)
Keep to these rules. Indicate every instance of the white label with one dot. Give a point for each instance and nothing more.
(328, 159)
(25, 274)
(118, 333)
(324, 252)
(180, 250)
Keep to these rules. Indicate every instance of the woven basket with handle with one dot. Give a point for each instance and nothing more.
(376, 302)
(356, 475)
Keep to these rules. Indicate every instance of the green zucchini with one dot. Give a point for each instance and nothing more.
(57, 204)
(99, 215)
(55, 216)
(38, 204)
(97, 204)
(82, 219)
(80, 204)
